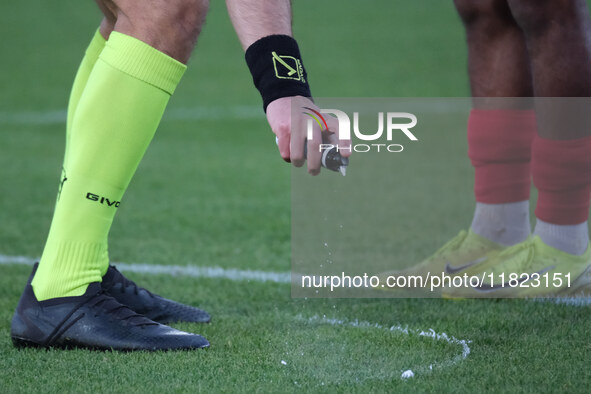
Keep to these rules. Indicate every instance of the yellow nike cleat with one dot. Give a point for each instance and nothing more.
(466, 252)
(581, 287)
(528, 269)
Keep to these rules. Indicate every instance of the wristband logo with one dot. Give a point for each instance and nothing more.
(393, 124)
(288, 67)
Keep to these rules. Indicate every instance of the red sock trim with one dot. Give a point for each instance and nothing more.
(562, 175)
(499, 147)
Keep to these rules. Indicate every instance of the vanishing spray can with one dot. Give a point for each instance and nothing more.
(331, 159)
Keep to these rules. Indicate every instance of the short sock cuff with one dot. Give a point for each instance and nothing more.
(143, 62)
(75, 265)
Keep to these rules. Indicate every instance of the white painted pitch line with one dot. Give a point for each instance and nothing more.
(430, 333)
(195, 113)
(207, 272)
(571, 301)
(237, 275)
(23, 260)
(178, 270)
(33, 117)
(58, 116)
(215, 113)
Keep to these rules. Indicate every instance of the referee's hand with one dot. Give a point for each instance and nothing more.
(289, 121)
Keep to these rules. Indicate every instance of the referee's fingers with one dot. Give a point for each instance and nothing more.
(314, 153)
(282, 140)
(298, 140)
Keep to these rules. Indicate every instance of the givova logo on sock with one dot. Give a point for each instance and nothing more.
(102, 200)
(61, 186)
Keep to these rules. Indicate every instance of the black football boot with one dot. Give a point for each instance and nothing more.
(94, 320)
(148, 304)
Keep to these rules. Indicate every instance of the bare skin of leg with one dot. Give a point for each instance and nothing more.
(558, 37)
(170, 26)
(498, 63)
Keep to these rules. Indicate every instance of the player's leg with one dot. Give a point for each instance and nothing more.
(498, 64)
(499, 135)
(558, 37)
(559, 40)
(499, 141)
(116, 116)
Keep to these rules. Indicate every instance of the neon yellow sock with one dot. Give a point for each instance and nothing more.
(88, 61)
(113, 124)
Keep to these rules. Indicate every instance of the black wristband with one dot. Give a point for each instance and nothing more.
(276, 67)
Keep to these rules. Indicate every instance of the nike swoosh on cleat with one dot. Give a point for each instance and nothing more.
(507, 285)
(454, 270)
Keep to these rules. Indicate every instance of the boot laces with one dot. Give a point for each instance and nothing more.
(103, 303)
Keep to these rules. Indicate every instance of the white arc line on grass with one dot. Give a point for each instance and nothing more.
(277, 277)
(430, 333)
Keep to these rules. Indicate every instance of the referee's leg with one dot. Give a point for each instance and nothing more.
(114, 120)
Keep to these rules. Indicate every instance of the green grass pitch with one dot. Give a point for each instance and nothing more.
(212, 191)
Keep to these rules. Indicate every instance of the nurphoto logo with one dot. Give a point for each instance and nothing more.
(395, 122)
